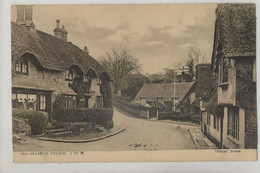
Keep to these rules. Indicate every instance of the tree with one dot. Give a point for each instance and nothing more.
(194, 58)
(133, 83)
(119, 63)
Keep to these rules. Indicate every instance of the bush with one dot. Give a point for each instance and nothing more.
(165, 115)
(179, 117)
(103, 117)
(128, 106)
(196, 119)
(37, 120)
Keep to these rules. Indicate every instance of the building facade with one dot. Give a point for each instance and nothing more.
(46, 66)
(231, 117)
(162, 97)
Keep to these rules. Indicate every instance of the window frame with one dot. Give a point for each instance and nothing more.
(233, 123)
(42, 102)
(223, 70)
(22, 66)
(208, 118)
(254, 71)
(69, 75)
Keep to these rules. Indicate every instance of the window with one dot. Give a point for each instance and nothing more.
(24, 101)
(99, 101)
(208, 118)
(70, 101)
(223, 70)
(74, 101)
(254, 71)
(42, 102)
(85, 78)
(233, 122)
(69, 75)
(215, 121)
(21, 65)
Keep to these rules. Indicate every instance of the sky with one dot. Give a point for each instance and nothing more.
(159, 36)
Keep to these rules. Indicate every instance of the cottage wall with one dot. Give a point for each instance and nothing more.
(214, 133)
(227, 95)
(246, 98)
(42, 79)
(39, 78)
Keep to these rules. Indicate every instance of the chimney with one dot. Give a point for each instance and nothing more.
(25, 16)
(86, 50)
(57, 30)
(64, 33)
(20, 13)
(28, 13)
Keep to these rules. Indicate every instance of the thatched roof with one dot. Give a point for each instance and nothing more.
(235, 30)
(51, 52)
(166, 91)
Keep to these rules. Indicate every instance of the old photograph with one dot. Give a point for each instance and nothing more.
(137, 79)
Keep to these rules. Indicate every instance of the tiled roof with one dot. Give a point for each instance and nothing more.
(166, 91)
(51, 52)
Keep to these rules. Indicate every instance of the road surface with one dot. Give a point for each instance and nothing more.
(139, 135)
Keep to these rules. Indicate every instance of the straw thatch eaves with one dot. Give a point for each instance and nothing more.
(51, 52)
(235, 31)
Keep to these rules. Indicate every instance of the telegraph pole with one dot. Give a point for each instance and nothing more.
(174, 92)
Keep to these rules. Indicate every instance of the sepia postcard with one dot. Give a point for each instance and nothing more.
(134, 82)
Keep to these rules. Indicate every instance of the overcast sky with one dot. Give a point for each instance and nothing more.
(158, 35)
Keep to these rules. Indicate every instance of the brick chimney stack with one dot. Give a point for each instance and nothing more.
(28, 13)
(25, 16)
(59, 32)
(20, 13)
(64, 33)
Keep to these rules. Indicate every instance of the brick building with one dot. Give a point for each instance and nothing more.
(45, 66)
(231, 114)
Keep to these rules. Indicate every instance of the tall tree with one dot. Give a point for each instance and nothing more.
(194, 58)
(119, 63)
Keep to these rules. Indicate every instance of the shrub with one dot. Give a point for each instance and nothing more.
(165, 115)
(37, 120)
(128, 106)
(195, 118)
(58, 105)
(103, 117)
(179, 117)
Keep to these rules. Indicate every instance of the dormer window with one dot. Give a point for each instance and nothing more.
(99, 82)
(69, 75)
(85, 78)
(21, 65)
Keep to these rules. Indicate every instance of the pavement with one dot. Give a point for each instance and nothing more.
(139, 134)
(200, 141)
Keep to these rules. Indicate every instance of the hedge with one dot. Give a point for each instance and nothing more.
(128, 106)
(103, 117)
(37, 120)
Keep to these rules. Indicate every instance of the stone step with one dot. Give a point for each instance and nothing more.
(59, 134)
(54, 130)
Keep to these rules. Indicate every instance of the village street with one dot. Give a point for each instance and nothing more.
(139, 135)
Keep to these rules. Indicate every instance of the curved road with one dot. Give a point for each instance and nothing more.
(139, 135)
